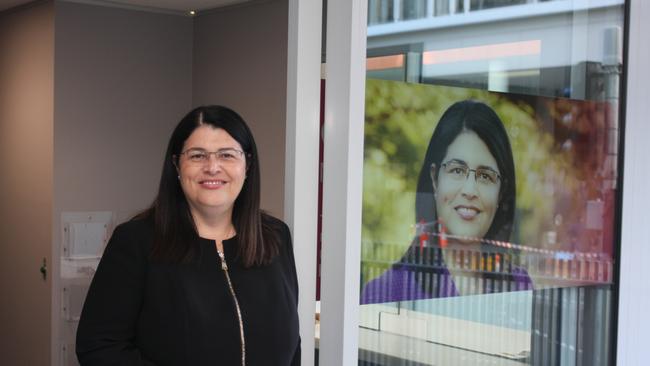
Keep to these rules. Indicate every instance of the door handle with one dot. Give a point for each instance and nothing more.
(43, 269)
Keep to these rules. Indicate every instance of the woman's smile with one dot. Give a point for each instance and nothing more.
(212, 183)
(467, 212)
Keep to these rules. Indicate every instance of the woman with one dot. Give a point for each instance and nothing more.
(202, 277)
(465, 203)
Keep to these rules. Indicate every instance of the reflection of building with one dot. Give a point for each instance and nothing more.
(517, 46)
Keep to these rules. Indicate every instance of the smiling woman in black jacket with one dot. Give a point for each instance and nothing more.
(203, 277)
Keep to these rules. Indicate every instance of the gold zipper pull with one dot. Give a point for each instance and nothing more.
(224, 265)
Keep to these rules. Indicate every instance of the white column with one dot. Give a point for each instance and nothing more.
(397, 10)
(343, 172)
(498, 76)
(302, 139)
(579, 48)
(634, 298)
(452, 7)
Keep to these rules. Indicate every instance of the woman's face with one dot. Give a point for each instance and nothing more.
(212, 169)
(467, 199)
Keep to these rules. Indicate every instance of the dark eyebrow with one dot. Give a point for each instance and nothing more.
(487, 168)
(457, 161)
(205, 150)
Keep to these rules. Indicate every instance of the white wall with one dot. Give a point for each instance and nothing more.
(26, 117)
(123, 81)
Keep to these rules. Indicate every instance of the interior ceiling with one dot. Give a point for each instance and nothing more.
(163, 5)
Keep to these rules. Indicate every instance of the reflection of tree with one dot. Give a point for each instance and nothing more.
(558, 148)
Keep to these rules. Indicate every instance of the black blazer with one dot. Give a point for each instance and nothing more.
(140, 312)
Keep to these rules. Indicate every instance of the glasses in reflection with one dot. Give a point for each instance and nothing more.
(224, 156)
(459, 171)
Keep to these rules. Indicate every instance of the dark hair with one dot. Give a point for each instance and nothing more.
(175, 233)
(469, 115)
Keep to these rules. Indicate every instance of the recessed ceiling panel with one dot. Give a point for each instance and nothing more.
(180, 5)
(170, 5)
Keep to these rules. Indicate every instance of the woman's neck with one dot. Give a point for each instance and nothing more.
(214, 226)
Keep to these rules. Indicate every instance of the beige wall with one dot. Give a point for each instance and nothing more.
(240, 60)
(123, 81)
(26, 119)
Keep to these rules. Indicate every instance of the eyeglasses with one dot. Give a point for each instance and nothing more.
(459, 172)
(225, 156)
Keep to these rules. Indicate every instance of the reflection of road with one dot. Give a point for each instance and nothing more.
(380, 348)
(423, 339)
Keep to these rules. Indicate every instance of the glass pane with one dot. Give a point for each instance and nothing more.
(490, 184)
(413, 9)
(488, 4)
(380, 11)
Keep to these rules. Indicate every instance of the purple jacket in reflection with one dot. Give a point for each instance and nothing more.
(400, 283)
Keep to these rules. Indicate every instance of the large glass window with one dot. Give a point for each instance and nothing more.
(490, 182)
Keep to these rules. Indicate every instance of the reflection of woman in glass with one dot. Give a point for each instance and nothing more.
(465, 206)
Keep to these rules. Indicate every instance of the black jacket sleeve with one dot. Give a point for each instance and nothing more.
(106, 332)
(297, 355)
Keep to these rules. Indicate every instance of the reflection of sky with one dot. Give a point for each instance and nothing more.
(564, 256)
(509, 309)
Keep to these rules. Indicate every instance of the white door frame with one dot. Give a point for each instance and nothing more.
(342, 181)
(301, 156)
(634, 291)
